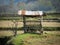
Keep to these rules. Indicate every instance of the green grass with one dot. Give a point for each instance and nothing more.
(23, 38)
(48, 38)
(48, 16)
(20, 38)
(11, 18)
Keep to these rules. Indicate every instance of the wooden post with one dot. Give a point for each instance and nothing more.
(41, 28)
(16, 23)
(24, 22)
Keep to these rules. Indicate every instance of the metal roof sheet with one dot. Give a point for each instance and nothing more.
(23, 12)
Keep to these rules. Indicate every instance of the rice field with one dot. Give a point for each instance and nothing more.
(20, 24)
(9, 23)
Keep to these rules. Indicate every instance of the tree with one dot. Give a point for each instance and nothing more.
(15, 24)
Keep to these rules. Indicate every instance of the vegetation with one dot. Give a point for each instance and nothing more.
(48, 38)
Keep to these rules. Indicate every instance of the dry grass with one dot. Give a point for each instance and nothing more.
(10, 24)
(20, 24)
(51, 24)
(9, 33)
(6, 33)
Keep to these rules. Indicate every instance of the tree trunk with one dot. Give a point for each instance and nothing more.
(15, 27)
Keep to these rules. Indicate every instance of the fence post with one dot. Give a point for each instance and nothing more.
(24, 23)
(41, 27)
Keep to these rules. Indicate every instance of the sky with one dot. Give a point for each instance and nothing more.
(43, 5)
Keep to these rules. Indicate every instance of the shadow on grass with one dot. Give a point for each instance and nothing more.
(58, 35)
(3, 40)
(22, 28)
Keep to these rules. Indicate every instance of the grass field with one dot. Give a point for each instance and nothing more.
(7, 23)
(10, 24)
(48, 38)
(9, 33)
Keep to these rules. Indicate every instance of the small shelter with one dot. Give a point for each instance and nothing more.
(29, 27)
